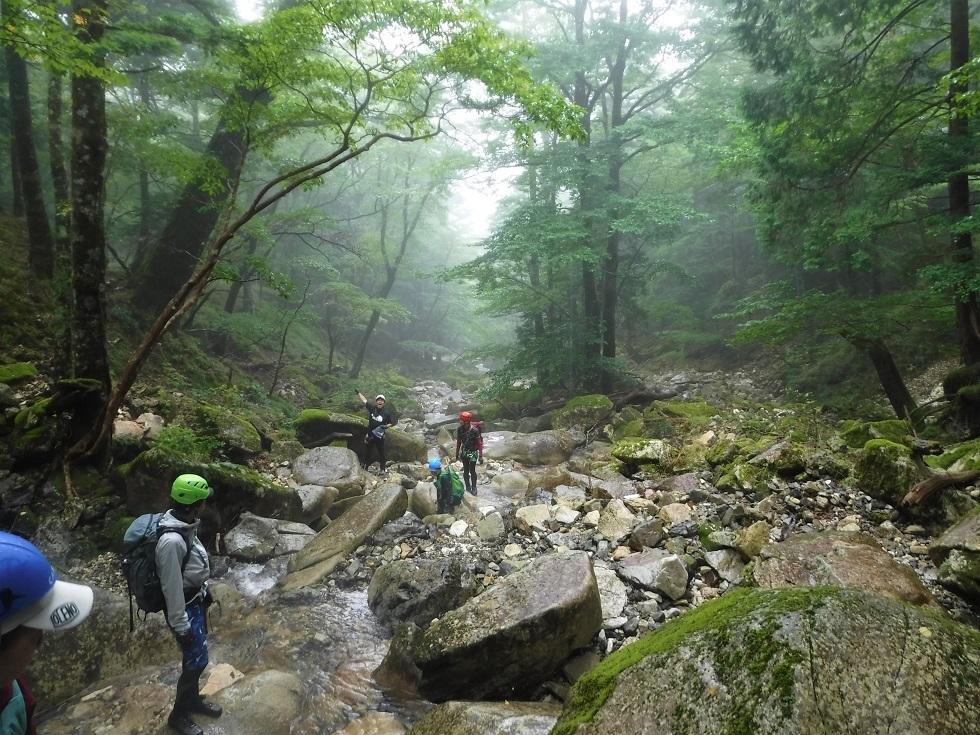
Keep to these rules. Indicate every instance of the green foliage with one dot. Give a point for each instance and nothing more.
(185, 442)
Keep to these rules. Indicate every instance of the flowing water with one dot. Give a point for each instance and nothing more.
(326, 636)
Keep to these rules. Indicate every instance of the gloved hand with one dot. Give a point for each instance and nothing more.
(481, 460)
(185, 638)
(207, 598)
(357, 390)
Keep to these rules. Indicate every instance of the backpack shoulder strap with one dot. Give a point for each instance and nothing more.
(187, 543)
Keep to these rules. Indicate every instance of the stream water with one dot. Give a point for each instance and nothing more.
(326, 636)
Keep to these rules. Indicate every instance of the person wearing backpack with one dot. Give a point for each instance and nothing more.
(448, 487)
(32, 602)
(379, 420)
(183, 566)
(469, 448)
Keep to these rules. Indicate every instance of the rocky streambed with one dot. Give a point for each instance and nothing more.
(666, 523)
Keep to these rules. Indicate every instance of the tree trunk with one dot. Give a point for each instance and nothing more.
(88, 246)
(967, 307)
(41, 254)
(173, 258)
(62, 221)
(889, 376)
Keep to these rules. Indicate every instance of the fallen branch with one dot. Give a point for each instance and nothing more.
(922, 490)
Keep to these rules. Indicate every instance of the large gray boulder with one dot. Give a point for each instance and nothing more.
(330, 467)
(99, 648)
(957, 554)
(505, 641)
(489, 718)
(336, 541)
(418, 590)
(840, 559)
(794, 662)
(542, 448)
(258, 539)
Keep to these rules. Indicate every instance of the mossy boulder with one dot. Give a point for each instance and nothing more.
(856, 434)
(636, 452)
(793, 662)
(958, 458)
(17, 371)
(585, 412)
(35, 434)
(740, 476)
(316, 427)
(885, 471)
(723, 451)
(145, 483)
(783, 458)
(239, 439)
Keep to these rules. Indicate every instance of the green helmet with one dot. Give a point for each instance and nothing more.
(189, 489)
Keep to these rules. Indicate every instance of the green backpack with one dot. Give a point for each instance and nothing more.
(458, 487)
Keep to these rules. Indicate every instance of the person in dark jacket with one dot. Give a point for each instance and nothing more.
(184, 569)
(32, 601)
(380, 419)
(469, 448)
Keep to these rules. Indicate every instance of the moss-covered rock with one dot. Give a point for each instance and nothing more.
(637, 452)
(885, 471)
(794, 662)
(584, 412)
(239, 438)
(856, 434)
(145, 483)
(16, 371)
(957, 458)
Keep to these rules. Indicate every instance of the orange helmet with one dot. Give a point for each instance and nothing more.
(466, 416)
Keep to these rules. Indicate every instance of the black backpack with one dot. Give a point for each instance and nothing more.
(139, 564)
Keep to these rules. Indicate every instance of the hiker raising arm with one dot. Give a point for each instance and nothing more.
(379, 419)
(184, 569)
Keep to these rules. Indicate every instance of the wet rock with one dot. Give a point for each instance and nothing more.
(257, 539)
(656, 570)
(489, 718)
(509, 639)
(344, 535)
(418, 590)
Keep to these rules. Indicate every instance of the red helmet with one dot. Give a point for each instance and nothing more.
(466, 416)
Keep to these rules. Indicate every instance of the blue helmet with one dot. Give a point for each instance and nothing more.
(30, 593)
(435, 465)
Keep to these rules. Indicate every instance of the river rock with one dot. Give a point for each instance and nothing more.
(656, 570)
(418, 590)
(330, 467)
(316, 501)
(793, 662)
(489, 718)
(615, 521)
(505, 641)
(957, 553)
(261, 704)
(612, 592)
(258, 539)
(101, 648)
(337, 540)
(840, 559)
(541, 448)
(510, 484)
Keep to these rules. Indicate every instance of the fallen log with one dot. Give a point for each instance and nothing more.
(934, 483)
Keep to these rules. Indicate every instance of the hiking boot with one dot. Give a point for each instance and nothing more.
(204, 707)
(182, 723)
(471, 490)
